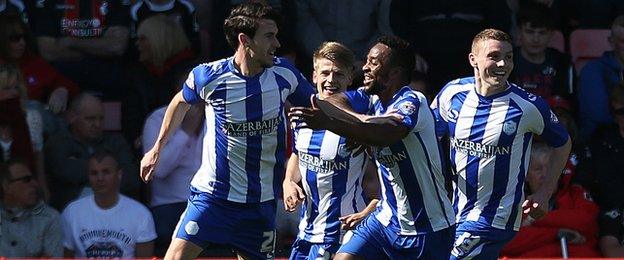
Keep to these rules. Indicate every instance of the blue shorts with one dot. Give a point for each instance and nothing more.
(474, 240)
(249, 229)
(302, 250)
(371, 240)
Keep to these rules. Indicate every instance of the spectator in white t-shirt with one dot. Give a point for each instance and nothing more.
(107, 224)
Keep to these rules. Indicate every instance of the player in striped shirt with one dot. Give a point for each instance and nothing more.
(414, 219)
(232, 200)
(332, 177)
(490, 123)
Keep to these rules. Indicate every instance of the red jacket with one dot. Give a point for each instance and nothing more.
(41, 78)
(574, 210)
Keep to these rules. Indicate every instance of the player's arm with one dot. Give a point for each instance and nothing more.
(335, 114)
(370, 186)
(112, 43)
(173, 117)
(144, 250)
(293, 194)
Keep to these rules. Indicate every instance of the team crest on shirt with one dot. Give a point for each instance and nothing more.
(407, 108)
(509, 127)
(342, 150)
(553, 117)
(453, 115)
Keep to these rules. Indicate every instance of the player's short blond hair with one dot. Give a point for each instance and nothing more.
(489, 34)
(335, 52)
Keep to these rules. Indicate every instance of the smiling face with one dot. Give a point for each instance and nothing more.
(375, 69)
(264, 43)
(493, 62)
(330, 78)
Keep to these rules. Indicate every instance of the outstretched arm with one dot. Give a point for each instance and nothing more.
(173, 117)
(335, 114)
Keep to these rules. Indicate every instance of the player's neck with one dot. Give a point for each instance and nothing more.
(489, 90)
(387, 94)
(106, 201)
(245, 64)
(535, 58)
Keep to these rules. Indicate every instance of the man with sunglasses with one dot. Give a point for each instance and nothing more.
(28, 227)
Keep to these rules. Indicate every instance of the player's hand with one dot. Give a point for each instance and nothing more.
(351, 221)
(536, 205)
(148, 164)
(293, 195)
(305, 117)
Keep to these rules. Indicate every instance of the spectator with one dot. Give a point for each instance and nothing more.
(594, 13)
(85, 41)
(356, 24)
(572, 210)
(43, 82)
(22, 127)
(182, 11)
(30, 228)
(14, 7)
(442, 30)
(607, 150)
(538, 69)
(597, 80)
(181, 158)
(612, 233)
(67, 153)
(107, 224)
(164, 54)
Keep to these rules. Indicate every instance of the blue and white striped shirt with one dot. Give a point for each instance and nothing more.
(490, 140)
(414, 199)
(332, 179)
(244, 145)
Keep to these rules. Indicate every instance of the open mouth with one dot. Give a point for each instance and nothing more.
(499, 73)
(330, 90)
(368, 78)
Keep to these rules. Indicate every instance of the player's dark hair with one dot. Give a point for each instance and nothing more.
(245, 18)
(401, 55)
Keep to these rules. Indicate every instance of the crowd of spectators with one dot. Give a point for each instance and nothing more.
(61, 59)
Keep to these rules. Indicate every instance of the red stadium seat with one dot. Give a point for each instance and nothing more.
(112, 116)
(557, 41)
(588, 44)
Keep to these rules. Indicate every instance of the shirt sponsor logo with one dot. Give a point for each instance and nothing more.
(388, 159)
(318, 165)
(253, 128)
(479, 149)
(81, 27)
(553, 117)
